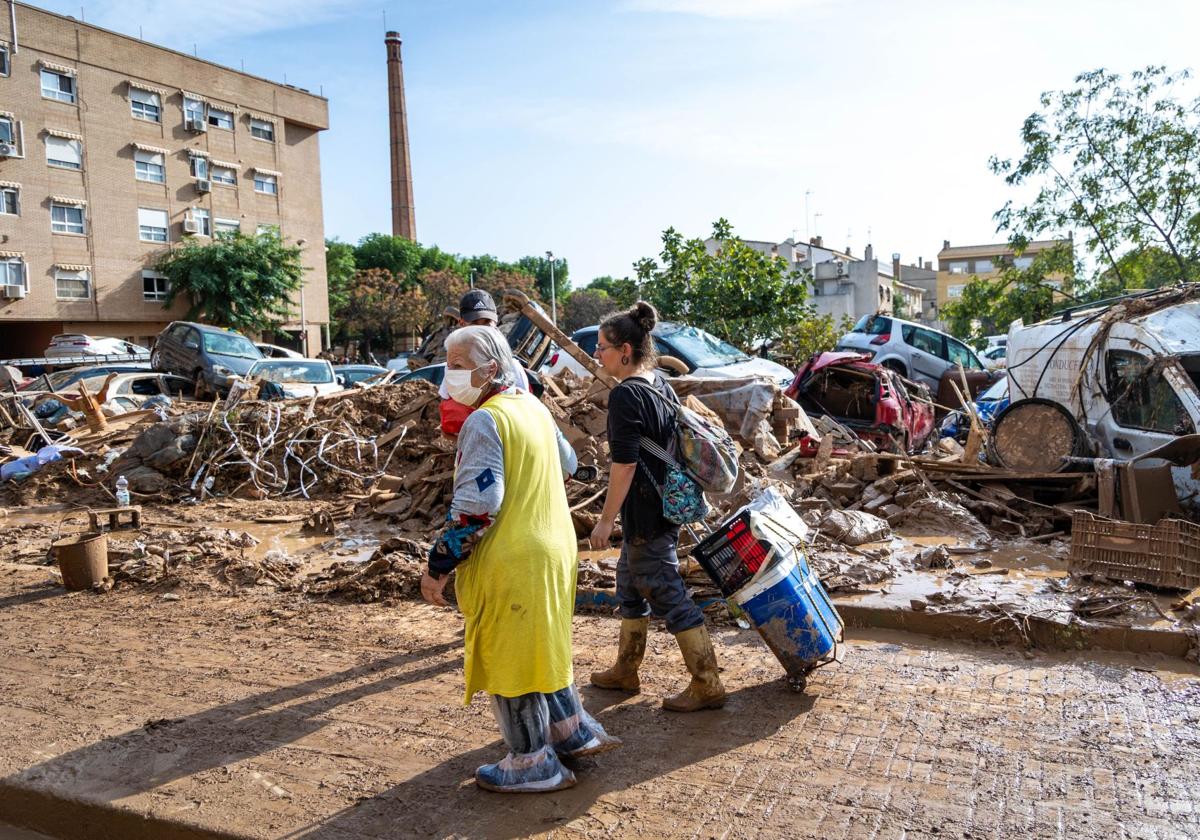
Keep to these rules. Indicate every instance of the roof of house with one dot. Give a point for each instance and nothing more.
(996, 249)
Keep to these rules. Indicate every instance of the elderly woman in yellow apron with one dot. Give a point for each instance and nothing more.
(511, 540)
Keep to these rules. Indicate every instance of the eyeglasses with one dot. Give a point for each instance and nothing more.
(600, 348)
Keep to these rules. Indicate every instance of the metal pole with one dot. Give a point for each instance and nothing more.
(553, 296)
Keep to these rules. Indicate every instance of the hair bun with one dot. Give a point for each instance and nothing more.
(644, 315)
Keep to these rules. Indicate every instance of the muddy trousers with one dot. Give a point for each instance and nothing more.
(649, 583)
(538, 728)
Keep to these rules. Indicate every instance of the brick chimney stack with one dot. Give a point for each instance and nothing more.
(404, 214)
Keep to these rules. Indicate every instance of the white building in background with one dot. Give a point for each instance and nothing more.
(842, 285)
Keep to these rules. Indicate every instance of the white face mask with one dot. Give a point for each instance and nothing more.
(459, 387)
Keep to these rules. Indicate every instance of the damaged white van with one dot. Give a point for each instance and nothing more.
(1127, 371)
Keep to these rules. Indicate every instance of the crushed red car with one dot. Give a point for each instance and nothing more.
(874, 402)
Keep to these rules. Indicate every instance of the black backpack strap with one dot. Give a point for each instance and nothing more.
(651, 446)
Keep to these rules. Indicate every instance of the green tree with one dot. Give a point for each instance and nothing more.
(987, 307)
(813, 334)
(405, 259)
(539, 269)
(379, 309)
(739, 294)
(241, 282)
(623, 292)
(585, 307)
(1116, 159)
(339, 269)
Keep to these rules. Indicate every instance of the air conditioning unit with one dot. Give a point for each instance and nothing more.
(191, 226)
(197, 125)
(13, 292)
(8, 149)
(203, 185)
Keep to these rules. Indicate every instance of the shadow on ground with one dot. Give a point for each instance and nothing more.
(444, 802)
(161, 751)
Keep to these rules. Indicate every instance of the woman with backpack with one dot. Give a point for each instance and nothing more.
(642, 406)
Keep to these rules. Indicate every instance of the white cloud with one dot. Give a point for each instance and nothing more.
(726, 9)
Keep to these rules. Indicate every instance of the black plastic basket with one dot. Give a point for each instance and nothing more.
(731, 554)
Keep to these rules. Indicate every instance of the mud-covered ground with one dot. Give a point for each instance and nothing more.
(268, 714)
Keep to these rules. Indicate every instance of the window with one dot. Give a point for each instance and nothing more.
(145, 105)
(6, 130)
(3, 60)
(199, 166)
(262, 129)
(227, 227)
(64, 153)
(72, 285)
(66, 218)
(224, 175)
(267, 230)
(264, 183)
(203, 221)
(152, 225)
(926, 341)
(1141, 397)
(984, 266)
(57, 85)
(959, 352)
(12, 272)
(10, 201)
(958, 267)
(873, 325)
(1022, 262)
(193, 110)
(155, 287)
(220, 118)
(955, 291)
(150, 166)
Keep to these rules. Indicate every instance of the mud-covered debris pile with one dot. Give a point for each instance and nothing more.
(298, 448)
(393, 572)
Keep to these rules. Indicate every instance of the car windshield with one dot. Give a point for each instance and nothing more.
(229, 344)
(292, 370)
(703, 349)
(997, 391)
(873, 325)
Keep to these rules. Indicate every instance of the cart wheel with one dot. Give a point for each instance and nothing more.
(798, 682)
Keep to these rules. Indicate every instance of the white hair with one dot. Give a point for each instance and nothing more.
(483, 345)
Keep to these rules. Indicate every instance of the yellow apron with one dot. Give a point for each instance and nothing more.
(517, 589)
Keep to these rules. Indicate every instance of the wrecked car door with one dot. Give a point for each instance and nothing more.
(1151, 401)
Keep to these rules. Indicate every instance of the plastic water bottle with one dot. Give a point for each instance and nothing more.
(122, 492)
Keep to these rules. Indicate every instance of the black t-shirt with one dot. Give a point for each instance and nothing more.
(633, 413)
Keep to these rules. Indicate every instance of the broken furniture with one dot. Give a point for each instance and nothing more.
(114, 518)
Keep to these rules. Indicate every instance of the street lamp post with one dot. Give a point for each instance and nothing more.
(553, 296)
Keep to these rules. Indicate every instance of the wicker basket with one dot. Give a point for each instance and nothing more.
(1165, 555)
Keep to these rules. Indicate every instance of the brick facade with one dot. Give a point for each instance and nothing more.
(107, 71)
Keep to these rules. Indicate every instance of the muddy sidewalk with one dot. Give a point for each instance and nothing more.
(274, 716)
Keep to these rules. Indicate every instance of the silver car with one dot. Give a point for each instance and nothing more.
(915, 351)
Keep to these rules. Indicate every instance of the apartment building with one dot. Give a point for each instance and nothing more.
(960, 264)
(113, 151)
(841, 285)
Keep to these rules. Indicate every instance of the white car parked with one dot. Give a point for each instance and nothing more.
(73, 344)
(274, 351)
(291, 378)
(914, 351)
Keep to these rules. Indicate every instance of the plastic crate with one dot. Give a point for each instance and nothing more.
(1165, 555)
(732, 554)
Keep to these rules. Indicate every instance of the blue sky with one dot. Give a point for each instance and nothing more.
(588, 127)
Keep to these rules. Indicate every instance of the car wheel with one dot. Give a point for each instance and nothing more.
(892, 364)
(156, 360)
(200, 386)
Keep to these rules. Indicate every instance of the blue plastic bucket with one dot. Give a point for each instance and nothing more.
(792, 612)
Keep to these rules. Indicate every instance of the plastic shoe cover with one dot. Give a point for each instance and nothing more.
(538, 772)
(573, 731)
